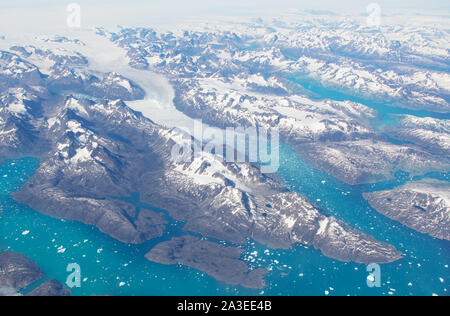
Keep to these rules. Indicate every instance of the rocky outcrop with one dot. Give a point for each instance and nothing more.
(429, 133)
(17, 271)
(222, 263)
(152, 224)
(423, 206)
(369, 161)
(51, 288)
(111, 217)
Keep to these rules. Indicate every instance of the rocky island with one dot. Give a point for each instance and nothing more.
(18, 272)
(422, 205)
(223, 264)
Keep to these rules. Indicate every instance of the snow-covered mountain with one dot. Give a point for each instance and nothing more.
(63, 101)
(244, 74)
(430, 133)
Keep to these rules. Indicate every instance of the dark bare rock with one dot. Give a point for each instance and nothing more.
(336, 137)
(151, 224)
(17, 271)
(112, 217)
(87, 166)
(221, 263)
(51, 288)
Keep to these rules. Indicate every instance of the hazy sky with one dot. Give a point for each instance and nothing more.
(50, 15)
(214, 4)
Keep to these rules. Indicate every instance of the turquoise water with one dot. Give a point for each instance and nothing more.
(109, 267)
(105, 263)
